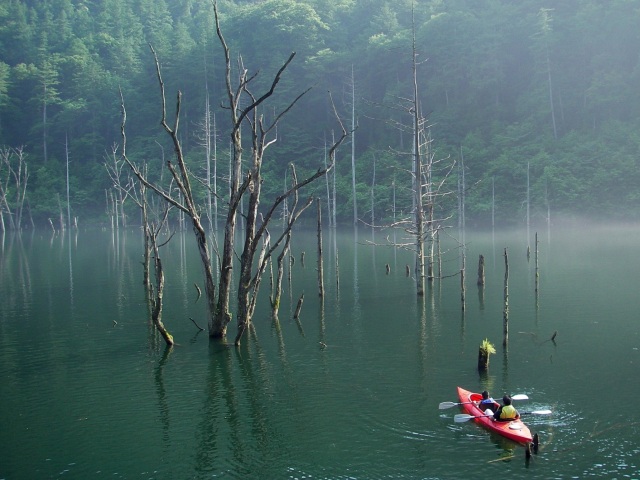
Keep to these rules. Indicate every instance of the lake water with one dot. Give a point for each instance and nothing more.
(350, 391)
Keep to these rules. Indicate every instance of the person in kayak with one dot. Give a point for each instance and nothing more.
(488, 405)
(506, 412)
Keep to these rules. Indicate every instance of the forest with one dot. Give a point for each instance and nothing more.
(533, 103)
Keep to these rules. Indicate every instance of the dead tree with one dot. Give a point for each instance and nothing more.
(184, 201)
(294, 213)
(156, 292)
(481, 277)
(138, 193)
(244, 111)
(320, 263)
(428, 178)
(505, 310)
(15, 174)
(114, 165)
(243, 107)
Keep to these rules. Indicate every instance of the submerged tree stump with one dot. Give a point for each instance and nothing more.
(486, 349)
(320, 265)
(537, 270)
(481, 271)
(156, 314)
(299, 307)
(462, 288)
(483, 360)
(505, 312)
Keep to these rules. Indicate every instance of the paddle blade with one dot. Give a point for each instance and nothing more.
(541, 412)
(463, 417)
(445, 405)
(537, 412)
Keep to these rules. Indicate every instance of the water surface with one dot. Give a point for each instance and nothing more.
(351, 390)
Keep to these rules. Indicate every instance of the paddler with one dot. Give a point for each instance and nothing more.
(488, 405)
(506, 412)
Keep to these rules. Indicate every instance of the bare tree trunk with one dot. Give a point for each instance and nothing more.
(155, 295)
(156, 315)
(44, 122)
(438, 249)
(215, 174)
(207, 140)
(5, 159)
(66, 150)
(17, 175)
(277, 289)
(481, 270)
(299, 307)
(327, 178)
(418, 169)
(462, 283)
(353, 148)
(290, 218)
(146, 280)
(505, 312)
(243, 107)
(373, 187)
(249, 249)
(528, 211)
(493, 203)
(222, 315)
(185, 203)
(536, 258)
(335, 222)
(320, 263)
(60, 214)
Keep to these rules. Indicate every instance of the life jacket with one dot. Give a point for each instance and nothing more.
(508, 412)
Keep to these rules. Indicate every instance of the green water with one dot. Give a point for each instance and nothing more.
(350, 391)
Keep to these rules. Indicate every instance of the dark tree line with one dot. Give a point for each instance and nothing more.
(552, 88)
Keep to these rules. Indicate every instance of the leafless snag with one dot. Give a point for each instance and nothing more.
(244, 110)
(180, 176)
(256, 232)
(114, 165)
(13, 168)
(429, 176)
(155, 297)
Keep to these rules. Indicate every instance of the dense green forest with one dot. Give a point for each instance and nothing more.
(545, 90)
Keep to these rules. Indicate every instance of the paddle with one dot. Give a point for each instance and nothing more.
(463, 417)
(444, 405)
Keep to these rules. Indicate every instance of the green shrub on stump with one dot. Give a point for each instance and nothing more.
(486, 349)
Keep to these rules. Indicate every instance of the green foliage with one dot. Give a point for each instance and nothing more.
(491, 73)
(487, 347)
(4, 83)
(46, 198)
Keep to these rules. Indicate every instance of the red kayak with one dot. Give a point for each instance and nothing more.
(514, 430)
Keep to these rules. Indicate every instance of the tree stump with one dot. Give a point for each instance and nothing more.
(481, 271)
(486, 349)
(483, 360)
(299, 306)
